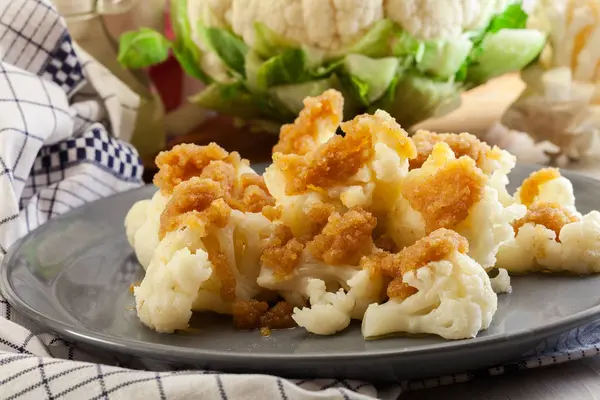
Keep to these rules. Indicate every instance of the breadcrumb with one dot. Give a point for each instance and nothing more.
(386, 243)
(254, 314)
(530, 188)
(551, 215)
(191, 196)
(183, 162)
(221, 269)
(272, 213)
(435, 247)
(321, 114)
(247, 313)
(384, 127)
(319, 215)
(283, 252)
(330, 164)
(220, 172)
(463, 144)
(278, 317)
(445, 197)
(345, 238)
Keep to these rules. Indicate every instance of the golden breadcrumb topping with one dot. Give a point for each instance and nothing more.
(278, 317)
(321, 113)
(272, 213)
(223, 273)
(254, 314)
(435, 247)
(247, 313)
(444, 197)
(330, 164)
(183, 162)
(192, 198)
(318, 214)
(386, 243)
(385, 128)
(463, 144)
(551, 215)
(282, 253)
(530, 188)
(345, 238)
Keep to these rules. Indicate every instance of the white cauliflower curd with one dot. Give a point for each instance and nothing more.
(211, 228)
(547, 185)
(453, 193)
(361, 169)
(438, 290)
(142, 223)
(332, 260)
(551, 238)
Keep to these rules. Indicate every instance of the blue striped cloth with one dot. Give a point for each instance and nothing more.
(64, 126)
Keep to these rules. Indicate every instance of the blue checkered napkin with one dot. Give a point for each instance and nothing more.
(64, 123)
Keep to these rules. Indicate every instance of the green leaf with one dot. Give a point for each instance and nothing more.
(505, 51)
(404, 44)
(229, 99)
(292, 96)
(513, 17)
(252, 65)
(142, 48)
(185, 50)
(287, 68)
(230, 48)
(444, 59)
(370, 77)
(417, 98)
(376, 42)
(267, 43)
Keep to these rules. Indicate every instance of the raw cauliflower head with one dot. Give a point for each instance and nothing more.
(438, 289)
(211, 222)
(546, 185)
(453, 193)
(325, 274)
(552, 238)
(361, 169)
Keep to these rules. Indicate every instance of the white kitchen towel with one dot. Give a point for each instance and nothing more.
(64, 123)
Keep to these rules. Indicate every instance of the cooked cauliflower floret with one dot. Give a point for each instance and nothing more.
(142, 223)
(552, 238)
(361, 169)
(329, 313)
(453, 193)
(165, 297)
(492, 161)
(549, 186)
(438, 290)
(501, 282)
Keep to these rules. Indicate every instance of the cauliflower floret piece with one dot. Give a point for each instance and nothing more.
(437, 289)
(334, 256)
(329, 313)
(493, 161)
(549, 186)
(453, 193)
(363, 168)
(501, 282)
(164, 298)
(552, 238)
(142, 223)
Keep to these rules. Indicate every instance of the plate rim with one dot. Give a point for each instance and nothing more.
(82, 334)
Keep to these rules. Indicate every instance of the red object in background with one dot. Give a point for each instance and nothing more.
(168, 77)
